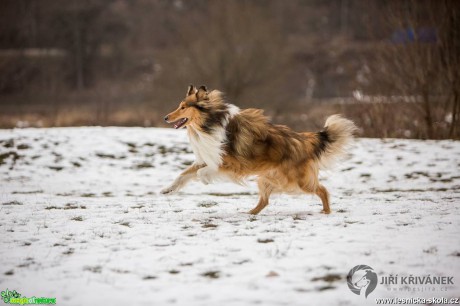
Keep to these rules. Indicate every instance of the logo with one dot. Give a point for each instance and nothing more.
(362, 280)
(14, 297)
(8, 295)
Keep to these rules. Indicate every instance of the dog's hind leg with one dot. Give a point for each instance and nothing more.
(321, 192)
(265, 189)
(182, 179)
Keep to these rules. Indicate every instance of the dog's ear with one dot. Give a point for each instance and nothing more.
(202, 93)
(191, 90)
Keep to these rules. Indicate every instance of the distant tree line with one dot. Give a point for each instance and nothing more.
(127, 61)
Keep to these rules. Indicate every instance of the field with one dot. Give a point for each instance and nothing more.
(82, 220)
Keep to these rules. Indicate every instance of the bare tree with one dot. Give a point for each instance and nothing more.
(241, 53)
(449, 36)
(409, 63)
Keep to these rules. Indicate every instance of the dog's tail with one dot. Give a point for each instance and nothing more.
(334, 140)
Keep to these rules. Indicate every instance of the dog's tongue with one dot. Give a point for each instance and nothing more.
(180, 123)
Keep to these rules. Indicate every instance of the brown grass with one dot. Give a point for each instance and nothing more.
(397, 119)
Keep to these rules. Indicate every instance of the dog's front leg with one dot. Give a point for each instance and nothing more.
(189, 174)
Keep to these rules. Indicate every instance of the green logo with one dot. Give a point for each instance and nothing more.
(14, 297)
(8, 295)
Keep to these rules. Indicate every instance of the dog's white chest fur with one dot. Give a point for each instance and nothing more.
(208, 146)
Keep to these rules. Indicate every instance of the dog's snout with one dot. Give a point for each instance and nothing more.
(166, 117)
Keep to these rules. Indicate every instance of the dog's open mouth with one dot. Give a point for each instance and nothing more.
(179, 123)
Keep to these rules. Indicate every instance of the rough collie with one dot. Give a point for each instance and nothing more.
(237, 143)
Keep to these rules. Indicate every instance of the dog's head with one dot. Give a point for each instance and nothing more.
(189, 110)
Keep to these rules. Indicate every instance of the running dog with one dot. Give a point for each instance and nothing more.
(237, 143)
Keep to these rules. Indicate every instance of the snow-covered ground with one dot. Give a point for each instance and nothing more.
(82, 220)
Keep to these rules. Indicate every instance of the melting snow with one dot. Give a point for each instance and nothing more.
(82, 220)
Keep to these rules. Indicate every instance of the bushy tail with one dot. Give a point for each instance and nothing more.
(334, 140)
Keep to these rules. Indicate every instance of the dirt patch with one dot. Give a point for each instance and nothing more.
(12, 203)
(211, 274)
(207, 204)
(328, 278)
(265, 240)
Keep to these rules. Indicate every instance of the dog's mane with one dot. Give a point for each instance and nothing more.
(216, 98)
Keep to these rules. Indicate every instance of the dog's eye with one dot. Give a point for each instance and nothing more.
(183, 107)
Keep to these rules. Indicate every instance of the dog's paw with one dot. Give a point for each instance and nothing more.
(168, 190)
(253, 212)
(326, 212)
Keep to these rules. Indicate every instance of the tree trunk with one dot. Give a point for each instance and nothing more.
(78, 56)
(455, 111)
(428, 116)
